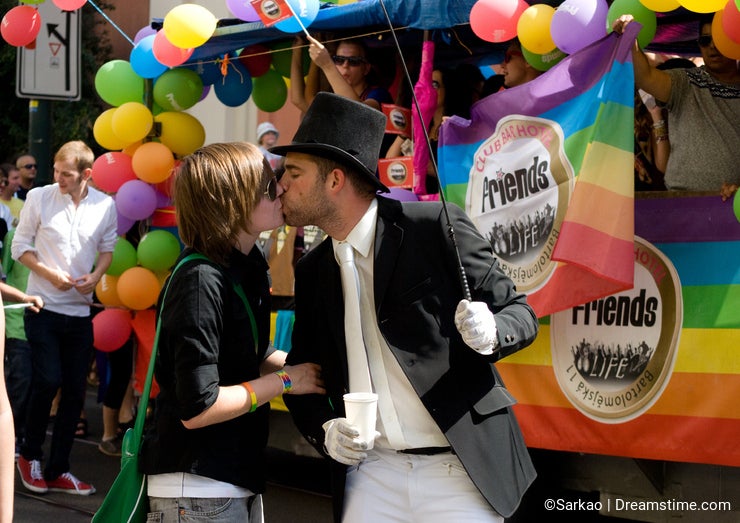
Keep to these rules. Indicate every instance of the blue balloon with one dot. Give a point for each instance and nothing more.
(306, 10)
(209, 71)
(143, 60)
(236, 87)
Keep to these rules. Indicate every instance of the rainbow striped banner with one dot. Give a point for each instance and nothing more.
(545, 170)
(696, 418)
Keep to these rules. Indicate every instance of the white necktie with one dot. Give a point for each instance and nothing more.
(359, 373)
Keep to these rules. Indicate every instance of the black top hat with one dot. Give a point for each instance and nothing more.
(340, 129)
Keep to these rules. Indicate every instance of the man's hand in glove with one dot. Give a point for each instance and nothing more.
(477, 326)
(342, 442)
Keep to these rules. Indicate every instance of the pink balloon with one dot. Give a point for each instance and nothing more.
(495, 20)
(111, 170)
(136, 200)
(69, 5)
(578, 23)
(168, 54)
(21, 25)
(731, 21)
(243, 10)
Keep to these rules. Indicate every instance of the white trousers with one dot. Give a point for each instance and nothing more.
(393, 487)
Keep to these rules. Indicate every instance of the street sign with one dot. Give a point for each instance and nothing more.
(51, 70)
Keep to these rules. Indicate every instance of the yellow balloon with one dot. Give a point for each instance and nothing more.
(181, 132)
(533, 28)
(189, 25)
(661, 6)
(103, 131)
(703, 6)
(132, 122)
(722, 42)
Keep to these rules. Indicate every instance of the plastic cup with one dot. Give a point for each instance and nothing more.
(361, 410)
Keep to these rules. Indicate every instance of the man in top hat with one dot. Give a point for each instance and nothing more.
(445, 428)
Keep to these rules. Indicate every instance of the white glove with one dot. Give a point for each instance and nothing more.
(341, 442)
(477, 326)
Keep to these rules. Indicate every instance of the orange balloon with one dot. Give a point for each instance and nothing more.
(153, 162)
(138, 288)
(722, 42)
(107, 292)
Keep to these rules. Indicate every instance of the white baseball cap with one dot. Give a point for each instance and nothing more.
(266, 127)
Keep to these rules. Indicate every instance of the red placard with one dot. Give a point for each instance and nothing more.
(398, 119)
(272, 11)
(397, 172)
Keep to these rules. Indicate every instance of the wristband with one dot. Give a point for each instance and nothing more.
(252, 396)
(287, 383)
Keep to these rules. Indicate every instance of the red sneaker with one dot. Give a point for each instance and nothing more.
(70, 484)
(31, 475)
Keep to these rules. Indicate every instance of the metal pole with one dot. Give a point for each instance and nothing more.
(39, 139)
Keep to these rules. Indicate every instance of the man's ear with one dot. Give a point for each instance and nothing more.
(87, 174)
(336, 179)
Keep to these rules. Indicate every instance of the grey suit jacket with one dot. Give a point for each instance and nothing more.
(417, 288)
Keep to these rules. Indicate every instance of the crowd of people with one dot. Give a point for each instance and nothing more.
(428, 342)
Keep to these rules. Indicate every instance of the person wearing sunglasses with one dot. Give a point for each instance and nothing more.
(703, 106)
(27, 165)
(516, 69)
(205, 450)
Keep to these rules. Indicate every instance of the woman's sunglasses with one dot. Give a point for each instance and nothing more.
(271, 191)
(704, 40)
(510, 54)
(353, 61)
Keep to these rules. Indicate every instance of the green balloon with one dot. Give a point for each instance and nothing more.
(282, 54)
(269, 91)
(117, 83)
(736, 204)
(543, 62)
(640, 13)
(178, 89)
(124, 257)
(158, 250)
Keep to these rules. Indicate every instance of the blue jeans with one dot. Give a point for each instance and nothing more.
(219, 510)
(18, 374)
(61, 350)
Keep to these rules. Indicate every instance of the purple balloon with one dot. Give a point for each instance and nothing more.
(402, 195)
(136, 200)
(243, 10)
(578, 23)
(124, 224)
(143, 32)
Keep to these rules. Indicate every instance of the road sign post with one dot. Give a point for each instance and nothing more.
(51, 69)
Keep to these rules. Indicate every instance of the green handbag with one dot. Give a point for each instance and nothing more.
(126, 501)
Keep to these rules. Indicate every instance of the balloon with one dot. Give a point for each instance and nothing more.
(703, 6)
(731, 22)
(144, 32)
(158, 250)
(189, 25)
(281, 57)
(143, 60)
(181, 132)
(103, 131)
(138, 288)
(533, 28)
(209, 72)
(106, 291)
(736, 205)
(136, 200)
(116, 83)
(641, 14)
(124, 224)
(111, 328)
(21, 25)
(256, 58)
(496, 20)
(661, 6)
(722, 42)
(178, 89)
(153, 162)
(543, 62)
(578, 23)
(69, 5)
(236, 87)
(132, 122)
(305, 10)
(111, 170)
(168, 54)
(243, 10)
(124, 257)
(270, 92)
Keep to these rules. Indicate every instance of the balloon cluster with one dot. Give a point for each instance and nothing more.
(548, 34)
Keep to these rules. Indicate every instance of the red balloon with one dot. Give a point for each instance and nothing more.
(496, 20)
(111, 170)
(256, 58)
(111, 329)
(21, 25)
(731, 21)
(168, 54)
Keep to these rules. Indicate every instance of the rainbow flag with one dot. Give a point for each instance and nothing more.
(695, 419)
(546, 169)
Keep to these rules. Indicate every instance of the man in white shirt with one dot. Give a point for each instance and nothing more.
(64, 230)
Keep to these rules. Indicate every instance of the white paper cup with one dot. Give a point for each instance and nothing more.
(361, 409)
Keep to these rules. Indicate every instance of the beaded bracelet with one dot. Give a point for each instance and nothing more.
(287, 383)
(252, 396)
(662, 138)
